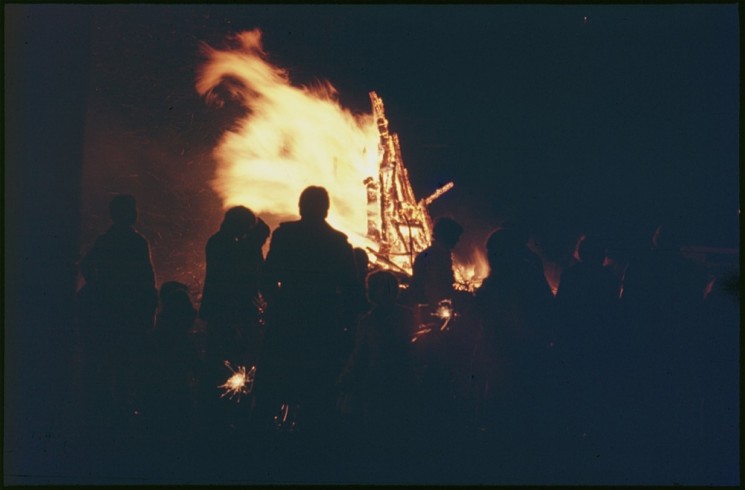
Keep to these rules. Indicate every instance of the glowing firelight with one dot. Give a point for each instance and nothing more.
(295, 136)
(470, 274)
(239, 383)
(291, 138)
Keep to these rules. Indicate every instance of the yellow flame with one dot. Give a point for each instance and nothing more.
(470, 273)
(291, 138)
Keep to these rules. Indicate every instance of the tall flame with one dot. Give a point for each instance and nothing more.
(292, 137)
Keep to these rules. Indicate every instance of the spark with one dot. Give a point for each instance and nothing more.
(420, 333)
(285, 420)
(239, 383)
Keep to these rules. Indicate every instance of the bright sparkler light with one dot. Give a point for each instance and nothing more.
(445, 312)
(240, 383)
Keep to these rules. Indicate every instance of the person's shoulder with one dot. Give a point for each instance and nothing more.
(288, 226)
(136, 235)
(337, 237)
(286, 229)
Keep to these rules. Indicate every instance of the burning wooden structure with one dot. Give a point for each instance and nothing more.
(399, 223)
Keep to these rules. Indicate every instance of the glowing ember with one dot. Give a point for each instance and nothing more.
(421, 332)
(239, 383)
(286, 419)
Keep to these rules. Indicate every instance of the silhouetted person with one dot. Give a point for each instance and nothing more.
(587, 300)
(661, 281)
(379, 372)
(361, 263)
(587, 296)
(432, 279)
(514, 306)
(359, 305)
(308, 276)
(521, 236)
(231, 285)
(122, 299)
(663, 298)
(174, 365)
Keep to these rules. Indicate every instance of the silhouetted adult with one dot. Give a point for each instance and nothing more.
(122, 299)
(587, 296)
(432, 279)
(587, 300)
(231, 285)
(661, 282)
(308, 276)
(663, 299)
(514, 306)
(520, 233)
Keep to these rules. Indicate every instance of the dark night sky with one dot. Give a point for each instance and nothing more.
(614, 123)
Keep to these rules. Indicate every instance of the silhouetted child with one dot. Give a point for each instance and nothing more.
(378, 373)
(174, 366)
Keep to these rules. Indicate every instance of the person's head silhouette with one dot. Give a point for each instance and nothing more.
(238, 221)
(590, 249)
(382, 288)
(447, 231)
(123, 210)
(314, 203)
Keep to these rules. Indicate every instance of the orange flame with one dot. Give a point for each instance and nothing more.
(469, 274)
(291, 138)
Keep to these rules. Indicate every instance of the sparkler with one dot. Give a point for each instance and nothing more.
(444, 312)
(239, 383)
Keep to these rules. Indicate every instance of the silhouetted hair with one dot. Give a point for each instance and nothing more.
(361, 260)
(590, 249)
(238, 221)
(518, 231)
(382, 288)
(501, 241)
(447, 230)
(314, 202)
(169, 287)
(261, 231)
(123, 209)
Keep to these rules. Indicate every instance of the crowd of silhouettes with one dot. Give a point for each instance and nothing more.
(335, 340)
